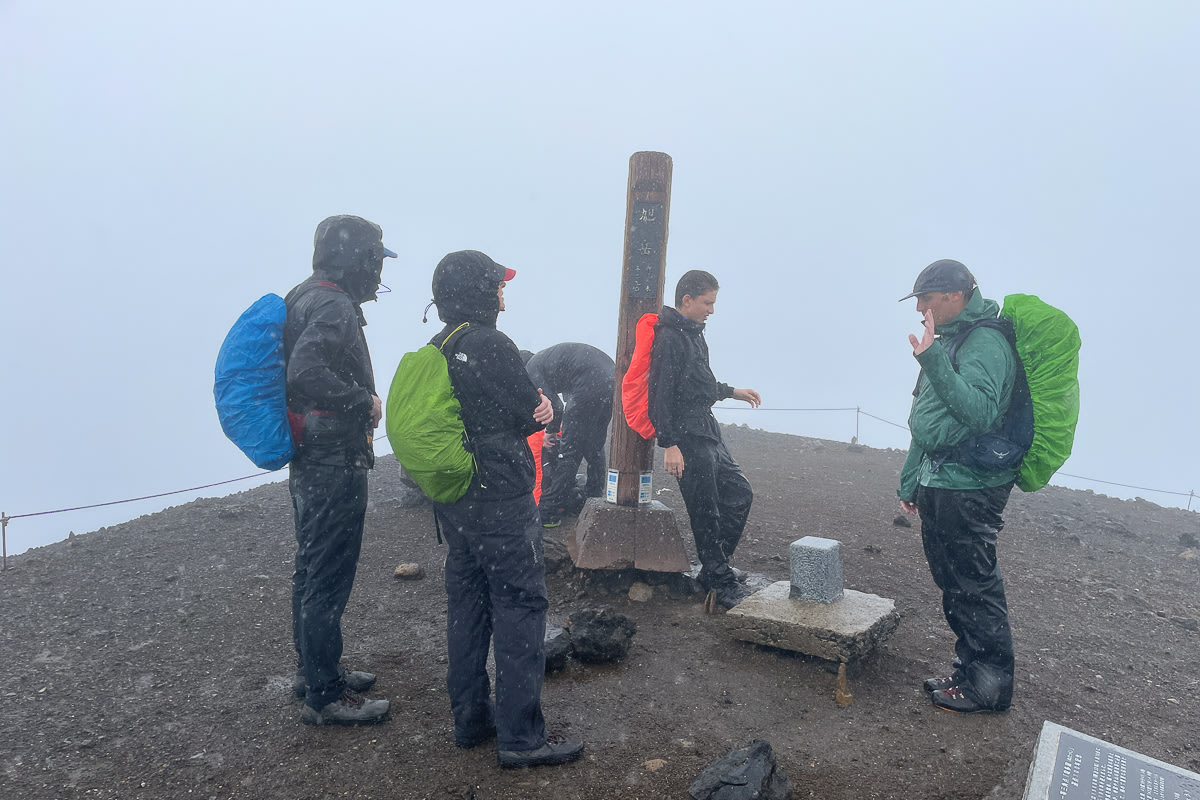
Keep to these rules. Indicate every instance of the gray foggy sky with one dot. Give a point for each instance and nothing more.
(164, 166)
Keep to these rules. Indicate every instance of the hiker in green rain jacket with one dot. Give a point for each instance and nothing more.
(950, 407)
(961, 507)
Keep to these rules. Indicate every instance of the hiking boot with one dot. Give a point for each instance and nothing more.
(729, 594)
(355, 681)
(711, 579)
(476, 738)
(556, 750)
(349, 709)
(932, 685)
(955, 699)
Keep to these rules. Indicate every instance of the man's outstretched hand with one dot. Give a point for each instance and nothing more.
(749, 396)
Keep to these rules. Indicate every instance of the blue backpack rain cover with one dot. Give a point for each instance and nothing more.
(250, 384)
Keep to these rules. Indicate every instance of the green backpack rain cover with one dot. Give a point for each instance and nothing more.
(1048, 345)
(424, 423)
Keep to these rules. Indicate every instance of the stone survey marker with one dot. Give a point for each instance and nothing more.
(812, 613)
(1069, 765)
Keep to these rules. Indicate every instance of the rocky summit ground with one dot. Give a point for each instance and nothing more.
(154, 659)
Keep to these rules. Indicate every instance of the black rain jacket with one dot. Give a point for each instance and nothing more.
(330, 382)
(497, 397)
(682, 385)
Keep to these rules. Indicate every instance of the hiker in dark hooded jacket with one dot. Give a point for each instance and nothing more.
(495, 564)
(333, 410)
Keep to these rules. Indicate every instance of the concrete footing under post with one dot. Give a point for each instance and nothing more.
(608, 536)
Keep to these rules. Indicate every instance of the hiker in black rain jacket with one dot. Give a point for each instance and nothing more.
(584, 376)
(682, 390)
(495, 564)
(334, 409)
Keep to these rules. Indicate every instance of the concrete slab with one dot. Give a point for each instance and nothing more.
(608, 536)
(1069, 765)
(841, 631)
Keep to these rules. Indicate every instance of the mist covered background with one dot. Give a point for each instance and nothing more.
(163, 167)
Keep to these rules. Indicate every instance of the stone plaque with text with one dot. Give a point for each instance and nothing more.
(1069, 765)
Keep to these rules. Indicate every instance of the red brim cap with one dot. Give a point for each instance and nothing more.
(509, 274)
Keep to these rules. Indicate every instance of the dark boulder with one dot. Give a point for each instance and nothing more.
(748, 773)
(600, 635)
(558, 647)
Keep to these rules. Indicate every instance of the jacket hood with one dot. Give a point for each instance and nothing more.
(977, 308)
(465, 286)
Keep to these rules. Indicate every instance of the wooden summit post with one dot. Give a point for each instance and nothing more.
(628, 533)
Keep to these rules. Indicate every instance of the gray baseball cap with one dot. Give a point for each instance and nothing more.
(946, 275)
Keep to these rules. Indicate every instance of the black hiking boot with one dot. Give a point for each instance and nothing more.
(475, 738)
(957, 700)
(556, 750)
(355, 681)
(349, 709)
(932, 685)
(730, 593)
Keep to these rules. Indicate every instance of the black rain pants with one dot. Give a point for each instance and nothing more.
(718, 499)
(330, 504)
(496, 590)
(584, 430)
(959, 530)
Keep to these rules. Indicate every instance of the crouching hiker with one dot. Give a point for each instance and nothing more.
(334, 409)
(495, 565)
(584, 376)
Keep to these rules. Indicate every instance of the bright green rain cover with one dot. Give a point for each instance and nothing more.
(424, 425)
(1048, 344)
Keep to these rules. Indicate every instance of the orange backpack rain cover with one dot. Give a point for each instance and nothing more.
(635, 387)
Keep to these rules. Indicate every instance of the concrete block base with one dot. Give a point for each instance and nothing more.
(841, 631)
(608, 536)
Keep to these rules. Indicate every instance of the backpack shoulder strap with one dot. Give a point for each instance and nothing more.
(1002, 324)
(448, 344)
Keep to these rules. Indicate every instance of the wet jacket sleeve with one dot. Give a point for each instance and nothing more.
(666, 364)
(910, 474)
(330, 333)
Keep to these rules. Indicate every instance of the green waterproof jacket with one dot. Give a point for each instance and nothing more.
(950, 407)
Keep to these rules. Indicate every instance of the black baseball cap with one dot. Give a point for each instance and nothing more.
(472, 262)
(945, 275)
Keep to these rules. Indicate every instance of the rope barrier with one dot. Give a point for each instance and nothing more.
(4, 518)
(136, 499)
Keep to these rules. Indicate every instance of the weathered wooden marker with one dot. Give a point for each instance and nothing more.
(628, 528)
